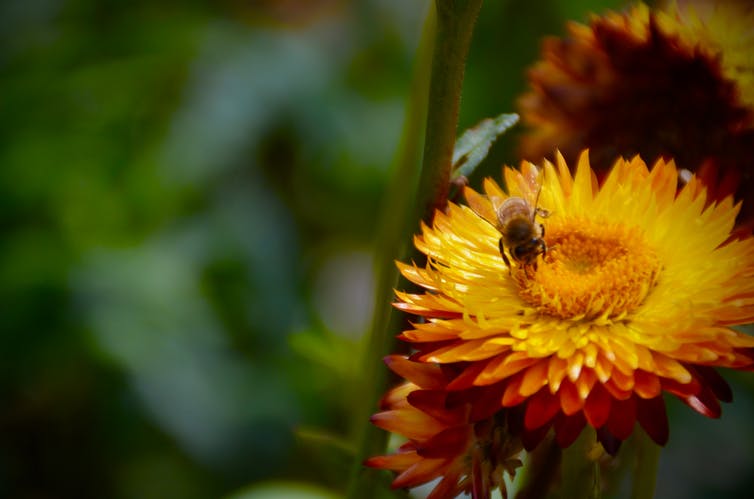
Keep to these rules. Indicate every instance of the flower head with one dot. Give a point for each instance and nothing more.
(675, 83)
(634, 297)
(724, 28)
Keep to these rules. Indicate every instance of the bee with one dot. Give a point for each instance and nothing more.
(520, 233)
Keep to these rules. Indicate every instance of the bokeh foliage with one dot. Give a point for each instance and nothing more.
(188, 196)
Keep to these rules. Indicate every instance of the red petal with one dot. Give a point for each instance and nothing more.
(532, 438)
(705, 403)
(540, 409)
(468, 375)
(622, 418)
(682, 391)
(597, 406)
(488, 402)
(653, 418)
(433, 402)
(568, 429)
(609, 442)
(446, 444)
(716, 382)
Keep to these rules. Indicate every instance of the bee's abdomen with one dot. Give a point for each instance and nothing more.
(517, 231)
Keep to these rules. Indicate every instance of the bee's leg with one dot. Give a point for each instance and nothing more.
(505, 258)
(541, 231)
(529, 267)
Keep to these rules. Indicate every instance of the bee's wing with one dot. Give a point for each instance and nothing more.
(525, 183)
(532, 177)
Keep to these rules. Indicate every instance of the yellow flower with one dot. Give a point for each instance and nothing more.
(659, 83)
(634, 297)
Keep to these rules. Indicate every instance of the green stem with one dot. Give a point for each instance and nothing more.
(645, 471)
(541, 471)
(445, 42)
(455, 25)
(394, 232)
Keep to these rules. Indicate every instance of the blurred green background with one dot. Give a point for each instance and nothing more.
(188, 197)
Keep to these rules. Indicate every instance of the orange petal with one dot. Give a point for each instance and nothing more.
(512, 395)
(556, 371)
(395, 462)
(409, 422)
(622, 381)
(615, 391)
(505, 367)
(570, 401)
(585, 383)
(427, 376)
(603, 368)
(575, 363)
(646, 385)
(419, 473)
(534, 378)
(465, 351)
(671, 368)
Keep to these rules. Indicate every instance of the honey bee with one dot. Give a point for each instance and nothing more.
(521, 234)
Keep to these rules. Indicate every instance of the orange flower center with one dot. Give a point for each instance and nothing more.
(592, 270)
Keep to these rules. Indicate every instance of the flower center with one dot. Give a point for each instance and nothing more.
(592, 270)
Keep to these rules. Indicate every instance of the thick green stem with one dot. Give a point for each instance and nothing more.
(645, 470)
(433, 108)
(455, 25)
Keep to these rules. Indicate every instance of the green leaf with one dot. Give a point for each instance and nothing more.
(472, 147)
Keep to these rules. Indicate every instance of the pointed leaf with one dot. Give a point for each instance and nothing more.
(473, 145)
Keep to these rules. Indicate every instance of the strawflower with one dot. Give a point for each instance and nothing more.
(674, 83)
(634, 297)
